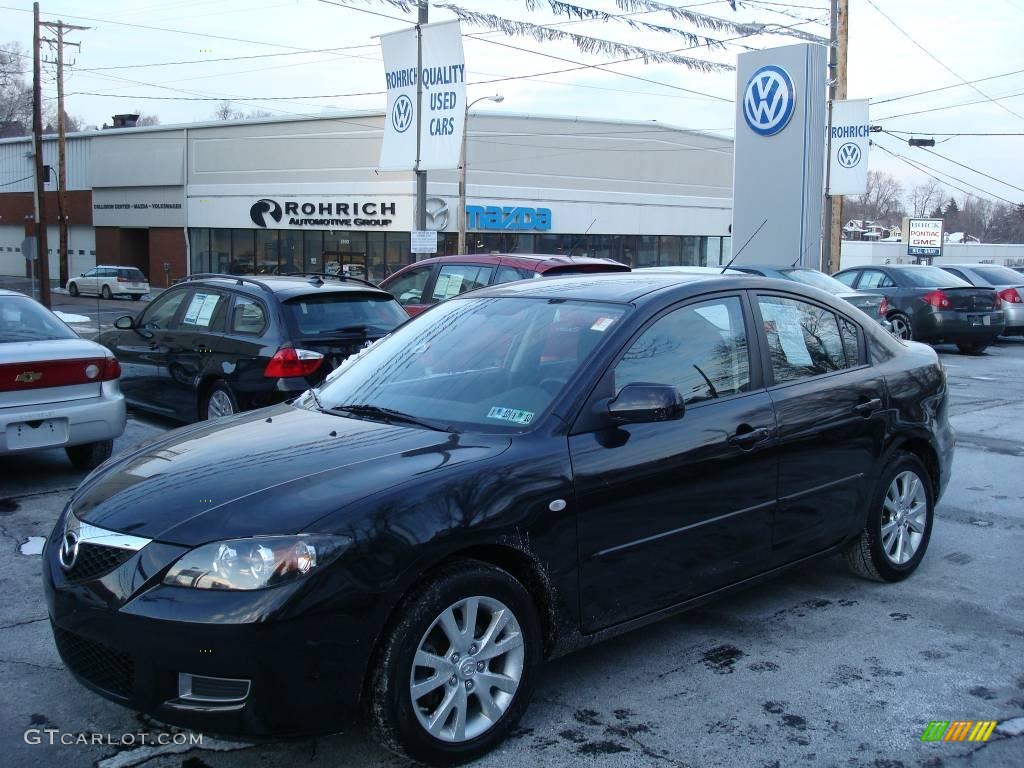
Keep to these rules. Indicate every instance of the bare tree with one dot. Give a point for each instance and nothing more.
(15, 92)
(924, 197)
(882, 201)
(145, 119)
(227, 112)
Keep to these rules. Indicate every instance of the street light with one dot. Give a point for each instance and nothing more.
(497, 99)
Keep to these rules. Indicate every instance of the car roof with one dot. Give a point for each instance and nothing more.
(694, 270)
(286, 287)
(619, 287)
(540, 261)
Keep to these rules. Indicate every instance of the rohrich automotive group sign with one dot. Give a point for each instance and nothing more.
(924, 238)
(331, 212)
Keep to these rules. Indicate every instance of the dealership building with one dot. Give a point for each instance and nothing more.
(304, 194)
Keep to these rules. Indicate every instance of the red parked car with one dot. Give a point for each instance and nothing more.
(421, 285)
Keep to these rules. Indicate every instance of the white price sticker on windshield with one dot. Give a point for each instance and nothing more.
(602, 324)
(510, 414)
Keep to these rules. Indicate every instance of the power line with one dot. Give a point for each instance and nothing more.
(875, 102)
(936, 59)
(952, 106)
(973, 170)
(16, 181)
(955, 135)
(920, 167)
(226, 58)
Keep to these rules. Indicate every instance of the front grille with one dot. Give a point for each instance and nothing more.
(102, 666)
(95, 560)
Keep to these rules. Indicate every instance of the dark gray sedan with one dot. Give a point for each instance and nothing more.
(871, 304)
(929, 304)
(1008, 283)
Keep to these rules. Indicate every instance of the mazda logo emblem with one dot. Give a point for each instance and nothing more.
(262, 208)
(769, 100)
(849, 155)
(437, 214)
(68, 550)
(401, 113)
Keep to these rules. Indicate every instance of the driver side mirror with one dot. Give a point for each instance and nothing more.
(125, 323)
(645, 403)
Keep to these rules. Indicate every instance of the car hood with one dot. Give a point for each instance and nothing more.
(274, 471)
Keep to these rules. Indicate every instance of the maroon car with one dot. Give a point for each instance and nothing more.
(423, 284)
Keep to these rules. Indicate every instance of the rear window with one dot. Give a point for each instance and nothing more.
(933, 277)
(816, 279)
(326, 314)
(22, 319)
(998, 275)
(132, 274)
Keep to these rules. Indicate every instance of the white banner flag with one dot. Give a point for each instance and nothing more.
(848, 156)
(444, 98)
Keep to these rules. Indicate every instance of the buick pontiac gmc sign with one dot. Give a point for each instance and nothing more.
(322, 214)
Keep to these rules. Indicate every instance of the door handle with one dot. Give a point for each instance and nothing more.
(750, 438)
(868, 407)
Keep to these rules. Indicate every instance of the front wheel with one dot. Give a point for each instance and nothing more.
(901, 327)
(457, 669)
(975, 348)
(90, 455)
(899, 522)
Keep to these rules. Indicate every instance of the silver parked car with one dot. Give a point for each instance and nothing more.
(1009, 284)
(56, 390)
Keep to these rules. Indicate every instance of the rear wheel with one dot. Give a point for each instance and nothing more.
(455, 673)
(218, 401)
(899, 523)
(136, 297)
(105, 293)
(90, 455)
(73, 289)
(901, 328)
(974, 348)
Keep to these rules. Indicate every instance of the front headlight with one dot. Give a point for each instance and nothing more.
(256, 563)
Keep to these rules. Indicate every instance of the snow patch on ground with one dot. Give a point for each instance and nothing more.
(67, 317)
(1014, 727)
(33, 545)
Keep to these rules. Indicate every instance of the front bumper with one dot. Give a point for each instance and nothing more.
(128, 638)
(88, 421)
(958, 327)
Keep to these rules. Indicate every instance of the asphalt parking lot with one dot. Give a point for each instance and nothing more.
(815, 668)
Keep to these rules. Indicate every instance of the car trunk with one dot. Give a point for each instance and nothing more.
(335, 350)
(971, 299)
(45, 372)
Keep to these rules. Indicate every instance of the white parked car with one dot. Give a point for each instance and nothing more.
(110, 281)
(56, 390)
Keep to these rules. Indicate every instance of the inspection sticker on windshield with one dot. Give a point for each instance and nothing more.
(602, 324)
(510, 414)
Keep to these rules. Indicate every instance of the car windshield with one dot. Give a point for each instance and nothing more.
(998, 275)
(492, 364)
(332, 313)
(22, 319)
(817, 279)
(933, 277)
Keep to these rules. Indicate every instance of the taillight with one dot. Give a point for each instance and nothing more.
(122, 279)
(15, 377)
(1010, 295)
(883, 308)
(937, 299)
(292, 362)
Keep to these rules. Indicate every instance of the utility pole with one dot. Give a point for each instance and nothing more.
(62, 214)
(421, 176)
(42, 254)
(839, 28)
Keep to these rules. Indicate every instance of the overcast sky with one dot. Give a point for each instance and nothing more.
(973, 40)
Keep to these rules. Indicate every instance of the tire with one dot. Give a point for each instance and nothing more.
(974, 348)
(105, 292)
(73, 289)
(873, 554)
(219, 401)
(90, 455)
(901, 327)
(136, 297)
(400, 724)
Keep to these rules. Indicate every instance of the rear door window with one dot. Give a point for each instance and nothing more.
(454, 279)
(511, 274)
(322, 315)
(803, 339)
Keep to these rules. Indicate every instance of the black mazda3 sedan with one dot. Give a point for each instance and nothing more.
(516, 473)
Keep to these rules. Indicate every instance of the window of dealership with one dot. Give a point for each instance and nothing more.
(376, 255)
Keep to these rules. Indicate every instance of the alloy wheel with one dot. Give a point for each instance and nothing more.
(467, 669)
(220, 405)
(901, 328)
(904, 517)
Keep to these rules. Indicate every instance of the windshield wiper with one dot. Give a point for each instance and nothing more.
(385, 414)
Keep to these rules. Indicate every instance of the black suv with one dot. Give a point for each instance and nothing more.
(214, 345)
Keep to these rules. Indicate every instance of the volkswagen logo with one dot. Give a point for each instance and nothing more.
(769, 100)
(262, 208)
(68, 550)
(437, 214)
(849, 155)
(401, 113)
